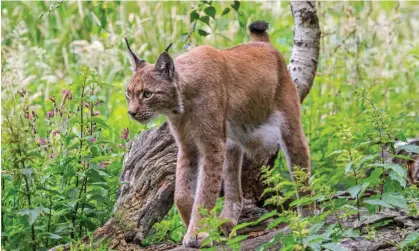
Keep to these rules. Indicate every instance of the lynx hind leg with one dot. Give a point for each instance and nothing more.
(296, 151)
(186, 172)
(233, 201)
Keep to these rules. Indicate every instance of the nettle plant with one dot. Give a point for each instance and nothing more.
(301, 233)
(368, 167)
(59, 176)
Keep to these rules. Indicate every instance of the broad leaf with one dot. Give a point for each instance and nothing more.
(395, 199)
(236, 5)
(356, 190)
(32, 213)
(225, 11)
(409, 148)
(396, 177)
(348, 167)
(334, 247)
(412, 237)
(276, 222)
(202, 33)
(378, 202)
(193, 16)
(210, 11)
(237, 239)
(205, 19)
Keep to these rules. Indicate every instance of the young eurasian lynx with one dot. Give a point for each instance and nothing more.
(220, 104)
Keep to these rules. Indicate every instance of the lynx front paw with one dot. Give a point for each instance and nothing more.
(195, 240)
(227, 227)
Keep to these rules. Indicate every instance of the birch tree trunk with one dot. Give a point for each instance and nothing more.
(149, 166)
(305, 52)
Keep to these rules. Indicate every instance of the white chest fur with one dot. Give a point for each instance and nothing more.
(260, 140)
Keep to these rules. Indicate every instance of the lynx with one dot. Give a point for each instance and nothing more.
(220, 104)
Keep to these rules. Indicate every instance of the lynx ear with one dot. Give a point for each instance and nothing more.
(165, 66)
(136, 62)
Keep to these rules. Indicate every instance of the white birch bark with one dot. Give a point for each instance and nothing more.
(305, 52)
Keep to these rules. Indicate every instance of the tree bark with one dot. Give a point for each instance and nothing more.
(305, 52)
(149, 166)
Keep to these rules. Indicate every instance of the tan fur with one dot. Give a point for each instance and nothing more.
(220, 103)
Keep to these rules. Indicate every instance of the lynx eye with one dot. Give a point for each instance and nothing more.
(147, 94)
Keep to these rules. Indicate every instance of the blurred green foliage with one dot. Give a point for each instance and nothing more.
(61, 156)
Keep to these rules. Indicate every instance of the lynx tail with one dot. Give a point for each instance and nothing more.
(258, 31)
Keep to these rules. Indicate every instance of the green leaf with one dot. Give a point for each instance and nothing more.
(49, 190)
(266, 216)
(412, 237)
(243, 225)
(401, 156)
(27, 172)
(94, 150)
(237, 239)
(98, 121)
(202, 33)
(348, 167)
(329, 230)
(96, 175)
(395, 167)
(396, 177)
(409, 148)
(301, 202)
(34, 153)
(356, 190)
(93, 98)
(375, 177)
(366, 158)
(378, 202)
(32, 213)
(54, 236)
(193, 16)
(351, 233)
(236, 6)
(312, 239)
(334, 247)
(205, 19)
(395, 199)
(401, 171)
(210, 11)
(276, 222)
(316, 227)
(225, 11)
(337, 152)
(99, 198)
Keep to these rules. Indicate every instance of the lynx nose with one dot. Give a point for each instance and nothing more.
(132, 113)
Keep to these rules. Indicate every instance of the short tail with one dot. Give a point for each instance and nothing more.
(258, 31)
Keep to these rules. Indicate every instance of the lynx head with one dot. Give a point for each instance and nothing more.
(153, 88)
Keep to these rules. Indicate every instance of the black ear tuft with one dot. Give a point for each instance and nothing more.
(165, 66)
(168, 47)
(136, 62)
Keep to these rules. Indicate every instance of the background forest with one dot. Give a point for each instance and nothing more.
(65, 126)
